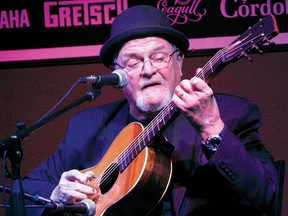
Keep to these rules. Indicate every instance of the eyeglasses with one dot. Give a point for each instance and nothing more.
(159, 60)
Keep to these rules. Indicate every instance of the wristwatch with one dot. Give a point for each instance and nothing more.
(214, 141)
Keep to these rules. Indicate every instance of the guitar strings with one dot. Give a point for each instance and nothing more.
(227, 50)
(160, 117)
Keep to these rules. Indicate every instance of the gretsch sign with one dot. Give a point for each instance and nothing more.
(64, 29)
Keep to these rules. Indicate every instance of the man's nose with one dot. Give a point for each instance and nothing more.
(148, 68)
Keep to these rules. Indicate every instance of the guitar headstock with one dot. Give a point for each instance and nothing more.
(252, 39)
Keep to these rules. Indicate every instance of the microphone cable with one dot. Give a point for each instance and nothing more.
(58, 103)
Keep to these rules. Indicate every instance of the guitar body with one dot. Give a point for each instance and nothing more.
(138, 188)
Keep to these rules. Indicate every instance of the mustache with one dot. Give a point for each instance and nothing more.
(150, 82)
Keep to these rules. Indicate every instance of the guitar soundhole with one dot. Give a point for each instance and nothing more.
(109, 178)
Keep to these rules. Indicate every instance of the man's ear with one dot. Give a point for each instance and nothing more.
(180, 59)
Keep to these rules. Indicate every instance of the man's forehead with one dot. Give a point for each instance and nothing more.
(151, 43)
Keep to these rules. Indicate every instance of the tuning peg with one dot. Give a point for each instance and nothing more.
(258, 50)
(247, 57)
(21, 125)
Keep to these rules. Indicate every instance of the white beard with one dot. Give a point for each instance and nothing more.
(144, 102)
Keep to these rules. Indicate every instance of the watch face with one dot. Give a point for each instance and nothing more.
(213, 142)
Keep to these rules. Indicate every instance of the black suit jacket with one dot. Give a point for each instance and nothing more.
(239, 179)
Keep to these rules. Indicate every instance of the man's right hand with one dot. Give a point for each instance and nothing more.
(74, 186)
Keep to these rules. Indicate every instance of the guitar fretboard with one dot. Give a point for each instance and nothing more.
(150, 131)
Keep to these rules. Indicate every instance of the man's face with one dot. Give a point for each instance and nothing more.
(149, 88)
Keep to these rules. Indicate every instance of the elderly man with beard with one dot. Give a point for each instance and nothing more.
(220, 165)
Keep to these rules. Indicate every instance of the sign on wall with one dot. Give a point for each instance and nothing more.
(43, 30)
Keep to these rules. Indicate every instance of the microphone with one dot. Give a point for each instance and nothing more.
(86, 207)
(118, 79)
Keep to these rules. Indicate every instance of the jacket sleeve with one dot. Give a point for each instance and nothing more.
(42, 180)
(242, 158)
(87, 139)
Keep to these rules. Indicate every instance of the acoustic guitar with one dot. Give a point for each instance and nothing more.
(135, 172)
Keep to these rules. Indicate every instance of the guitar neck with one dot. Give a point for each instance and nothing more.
(212, 67)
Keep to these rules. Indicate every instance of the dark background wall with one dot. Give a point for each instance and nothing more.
(28, 93)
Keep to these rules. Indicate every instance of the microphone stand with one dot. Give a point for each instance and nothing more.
(13, 146)
(35, 198)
